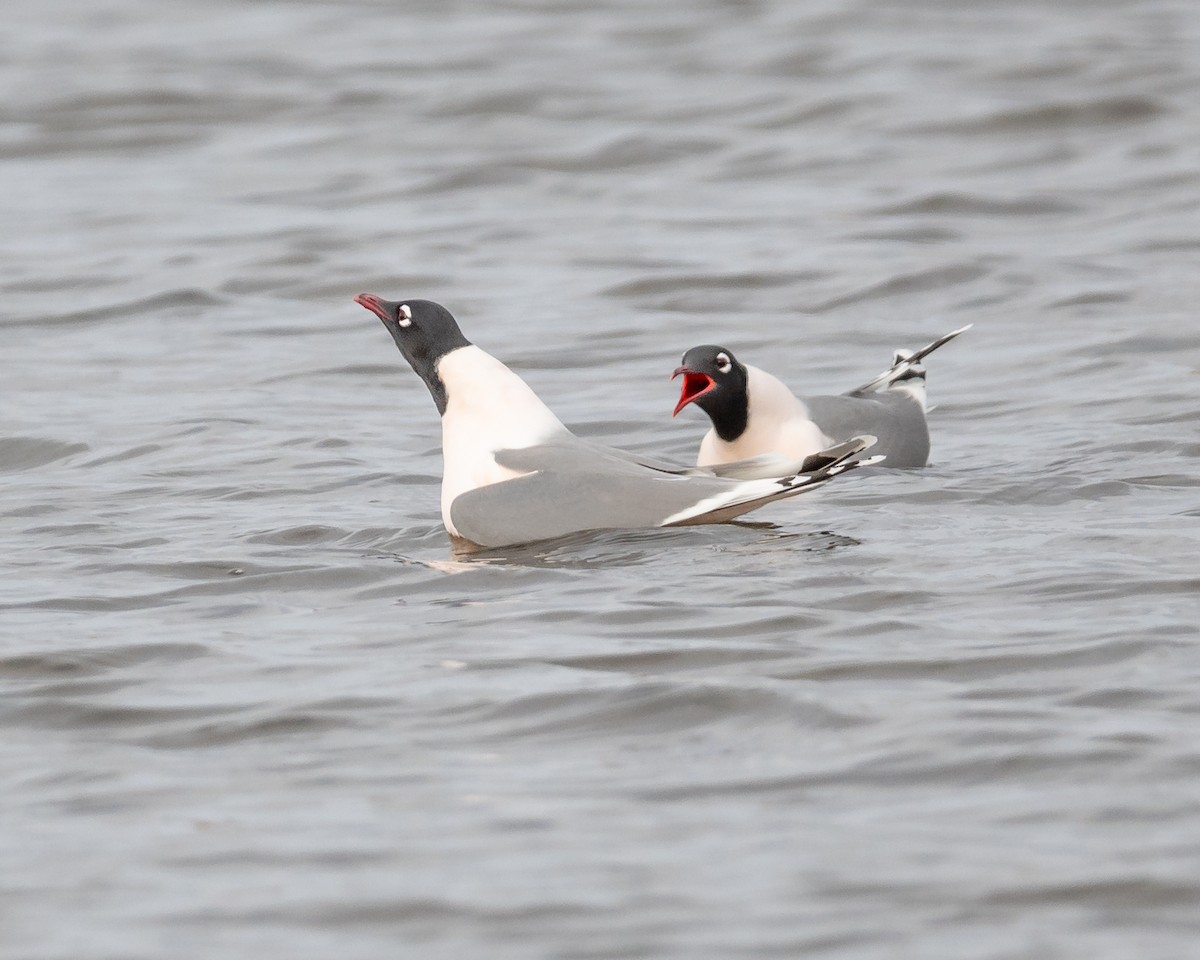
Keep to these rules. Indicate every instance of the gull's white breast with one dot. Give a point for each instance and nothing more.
(777, 422)
(488, 408)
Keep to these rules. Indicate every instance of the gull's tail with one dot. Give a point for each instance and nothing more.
(906, 368)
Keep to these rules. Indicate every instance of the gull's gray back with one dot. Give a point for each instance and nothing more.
(896, 419)
(577, 486)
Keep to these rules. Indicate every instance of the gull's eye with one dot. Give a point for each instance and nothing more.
(724, 364)
(404, 315)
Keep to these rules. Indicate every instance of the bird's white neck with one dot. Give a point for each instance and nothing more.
(777, 422)
(488, 408)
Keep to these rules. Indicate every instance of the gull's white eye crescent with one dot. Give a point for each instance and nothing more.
(404, 315)
(723, 362)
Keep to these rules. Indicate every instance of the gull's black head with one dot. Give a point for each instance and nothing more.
(715, 381)
(424, 331)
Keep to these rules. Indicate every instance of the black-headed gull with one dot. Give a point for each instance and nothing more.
(753, 413)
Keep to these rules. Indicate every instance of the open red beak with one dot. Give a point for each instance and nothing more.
(695, 385)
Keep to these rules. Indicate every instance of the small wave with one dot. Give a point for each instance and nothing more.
(651, 708)
(1092, 298)
(973, 205)
(26, 453)
(934, 279)
(973, 669)
(275, 724)
(300, 536)
(92, 661)
(189, 300)
(131, 453)
(1116, 111)
(686, 283)
(1104, 896)
(622, 153)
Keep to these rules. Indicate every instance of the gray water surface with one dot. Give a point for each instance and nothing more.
(252, 706)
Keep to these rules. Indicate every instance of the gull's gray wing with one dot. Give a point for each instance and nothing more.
(576, 485)
(897, 419)
(761, 467)
(549, 504)
(653, 463)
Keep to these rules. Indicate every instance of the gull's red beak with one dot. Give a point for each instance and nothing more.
(695, 385)
(375, 304)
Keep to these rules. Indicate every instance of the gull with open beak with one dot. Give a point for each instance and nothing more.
(753, 414)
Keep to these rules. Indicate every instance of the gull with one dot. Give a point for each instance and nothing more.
(755, 414)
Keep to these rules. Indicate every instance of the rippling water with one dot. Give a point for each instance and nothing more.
(253, 706)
